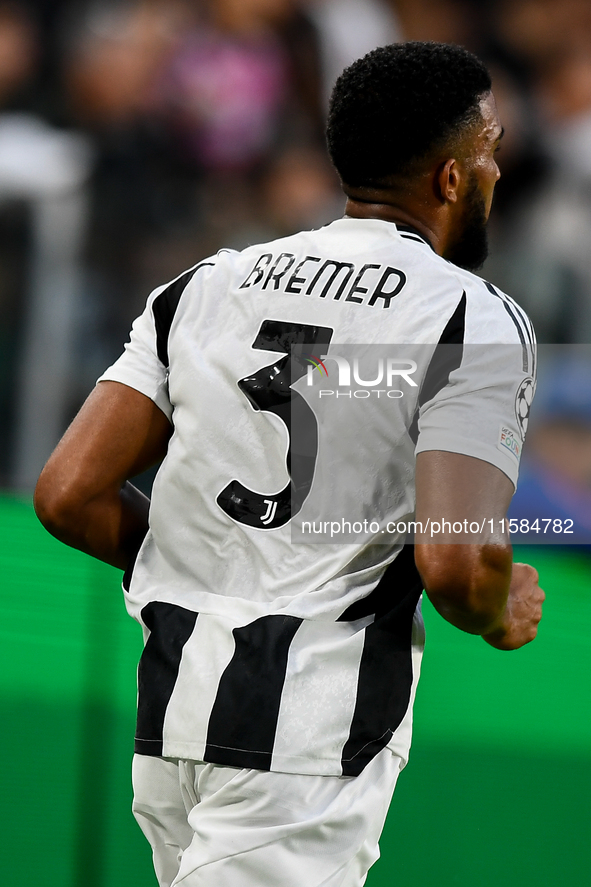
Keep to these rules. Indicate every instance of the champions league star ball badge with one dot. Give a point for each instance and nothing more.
(525, 395)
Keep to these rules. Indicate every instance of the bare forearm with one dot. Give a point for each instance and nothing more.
(481, 591)
(476, 587)
(82, 496)
(110, 527)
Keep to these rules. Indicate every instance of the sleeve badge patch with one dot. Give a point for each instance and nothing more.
(523, 400)
(508, 440)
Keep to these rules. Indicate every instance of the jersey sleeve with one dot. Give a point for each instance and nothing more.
(139, 366)
(482, 409)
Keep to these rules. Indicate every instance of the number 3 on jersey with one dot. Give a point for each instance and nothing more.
(269, 390)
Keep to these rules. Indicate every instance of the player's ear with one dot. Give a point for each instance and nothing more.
(448, 181)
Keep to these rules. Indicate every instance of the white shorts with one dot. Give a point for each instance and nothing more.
(214, 826)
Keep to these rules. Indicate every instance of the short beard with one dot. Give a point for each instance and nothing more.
(470, 248)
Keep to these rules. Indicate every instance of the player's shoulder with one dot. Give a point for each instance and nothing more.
(491, 314)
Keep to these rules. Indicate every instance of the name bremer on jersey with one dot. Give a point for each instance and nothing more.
(369, 284)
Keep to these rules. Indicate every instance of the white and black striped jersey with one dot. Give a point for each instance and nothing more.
(268, 647)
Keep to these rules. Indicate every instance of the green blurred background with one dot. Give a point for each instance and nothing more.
(497, 790)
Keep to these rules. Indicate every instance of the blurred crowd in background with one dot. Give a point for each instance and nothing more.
(138, 136)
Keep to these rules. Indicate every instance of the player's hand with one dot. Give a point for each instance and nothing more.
(519, 623)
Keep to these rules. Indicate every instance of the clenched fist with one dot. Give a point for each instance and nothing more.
(518, 625)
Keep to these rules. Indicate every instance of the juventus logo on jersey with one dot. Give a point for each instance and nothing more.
(270, 512)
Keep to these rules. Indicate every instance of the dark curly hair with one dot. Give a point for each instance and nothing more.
(397, 105)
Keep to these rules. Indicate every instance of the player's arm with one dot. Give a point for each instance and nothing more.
(83, 496)
(474, 585)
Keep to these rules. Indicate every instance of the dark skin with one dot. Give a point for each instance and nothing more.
(84, 497)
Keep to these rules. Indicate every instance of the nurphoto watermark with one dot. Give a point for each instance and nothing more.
(359, 415)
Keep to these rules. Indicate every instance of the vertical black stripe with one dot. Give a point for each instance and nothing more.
(516, 312)
(523, 318)
(447, 357)
(170, 629)
(525, 359)
(400, 578)
(518, 325)
(529, 330)
(385, 672)
(515, 321)
(243, 720)
(164, 307)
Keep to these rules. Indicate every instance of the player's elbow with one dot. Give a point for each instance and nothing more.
(467, 584)
(57, 501)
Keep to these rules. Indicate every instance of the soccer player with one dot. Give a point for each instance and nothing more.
(278, 675)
